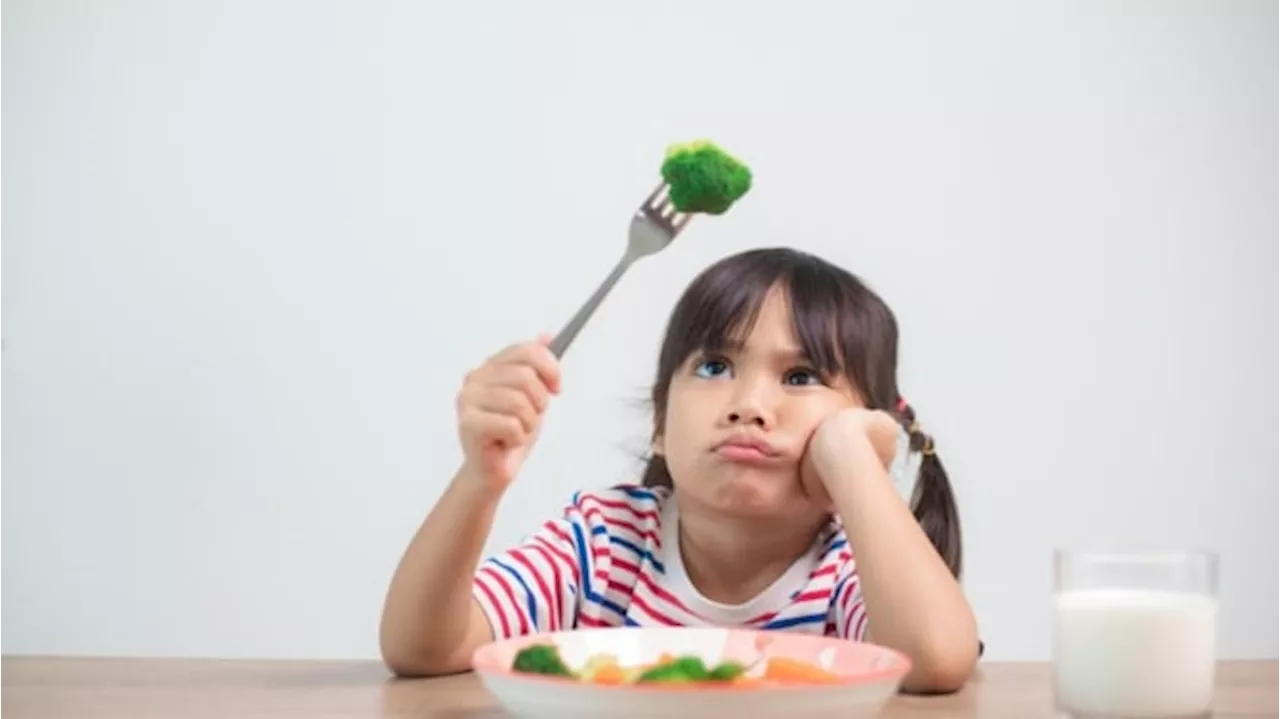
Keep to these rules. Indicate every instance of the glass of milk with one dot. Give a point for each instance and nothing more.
(1134, 634)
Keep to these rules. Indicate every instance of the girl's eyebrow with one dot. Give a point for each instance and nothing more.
(787, 354)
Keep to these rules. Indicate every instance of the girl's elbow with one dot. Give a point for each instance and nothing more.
(409, 665)
(940, 679)
(402, 662)
(403, 667)
(410, 660)
(941, 670)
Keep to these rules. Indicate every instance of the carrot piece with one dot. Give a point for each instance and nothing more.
(782, 669)
(609, 674)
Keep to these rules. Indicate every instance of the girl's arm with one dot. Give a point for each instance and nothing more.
(430, 622)
(913, 603)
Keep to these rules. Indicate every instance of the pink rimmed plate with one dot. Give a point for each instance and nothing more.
(868, 675)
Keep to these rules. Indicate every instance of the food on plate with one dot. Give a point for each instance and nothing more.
(541, 659)
(684, 669)
(704, 178)
(604, 668)
(793, 671)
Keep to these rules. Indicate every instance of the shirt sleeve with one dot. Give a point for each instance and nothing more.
(533, 586)
(849, 609)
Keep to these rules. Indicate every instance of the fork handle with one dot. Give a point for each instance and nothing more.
(562, 340)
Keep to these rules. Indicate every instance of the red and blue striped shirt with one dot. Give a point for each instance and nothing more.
(612, 559)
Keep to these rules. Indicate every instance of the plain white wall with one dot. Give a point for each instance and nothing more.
(251, 248)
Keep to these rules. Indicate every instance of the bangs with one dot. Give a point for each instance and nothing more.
(720, 308)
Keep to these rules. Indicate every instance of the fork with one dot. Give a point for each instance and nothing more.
(653, 226)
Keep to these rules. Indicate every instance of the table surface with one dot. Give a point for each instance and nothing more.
(180, 688)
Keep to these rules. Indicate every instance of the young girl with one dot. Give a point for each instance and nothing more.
(768, 501)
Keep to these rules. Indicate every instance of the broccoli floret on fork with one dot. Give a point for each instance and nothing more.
(704, 178)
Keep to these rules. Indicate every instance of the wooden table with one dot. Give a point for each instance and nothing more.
(180, 689)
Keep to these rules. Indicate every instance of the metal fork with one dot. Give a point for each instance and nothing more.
(653, 226)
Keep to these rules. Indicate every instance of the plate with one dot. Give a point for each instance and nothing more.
(868, 675)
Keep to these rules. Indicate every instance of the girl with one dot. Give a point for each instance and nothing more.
(768, 501)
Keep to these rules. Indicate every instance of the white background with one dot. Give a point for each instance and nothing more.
(251, 248)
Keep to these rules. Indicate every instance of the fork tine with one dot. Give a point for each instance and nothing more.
(667, 215)
(666, 210)
(658, 191)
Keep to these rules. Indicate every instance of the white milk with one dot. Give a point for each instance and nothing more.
(1134, 652)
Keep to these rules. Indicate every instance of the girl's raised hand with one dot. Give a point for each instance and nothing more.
(500, 409)
(840, 438)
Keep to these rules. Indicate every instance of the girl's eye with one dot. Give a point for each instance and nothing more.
(711, 368)
(801, 377)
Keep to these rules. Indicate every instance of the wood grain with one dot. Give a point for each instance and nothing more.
(75, 688)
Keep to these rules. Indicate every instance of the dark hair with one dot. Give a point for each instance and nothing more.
(843, 328)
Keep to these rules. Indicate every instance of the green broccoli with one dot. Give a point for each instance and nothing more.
(703, 178)
(684, 669)
(541, 659)
(691, 669)
(726, 672)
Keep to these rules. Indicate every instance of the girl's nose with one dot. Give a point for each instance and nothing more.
(747, 417)
(751, 410)
(752, 401)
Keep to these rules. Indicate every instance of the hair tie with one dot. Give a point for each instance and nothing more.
(927, 449)
(902, 404)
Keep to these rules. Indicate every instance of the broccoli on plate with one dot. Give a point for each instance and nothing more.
(541, 659)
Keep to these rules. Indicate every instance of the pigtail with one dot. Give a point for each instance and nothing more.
(933, 503)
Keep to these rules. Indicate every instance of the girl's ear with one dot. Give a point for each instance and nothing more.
(657, 445)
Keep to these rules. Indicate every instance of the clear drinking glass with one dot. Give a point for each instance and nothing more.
(1134, 634)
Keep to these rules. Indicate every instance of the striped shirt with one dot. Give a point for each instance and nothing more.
(612, 559)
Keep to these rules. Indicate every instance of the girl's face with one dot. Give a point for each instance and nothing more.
(738, 422)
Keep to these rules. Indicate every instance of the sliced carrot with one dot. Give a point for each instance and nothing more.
(609, 674)
(782, 669)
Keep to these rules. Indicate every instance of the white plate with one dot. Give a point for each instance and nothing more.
(868, 675)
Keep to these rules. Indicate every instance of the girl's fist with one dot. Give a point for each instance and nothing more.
(500, 409)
